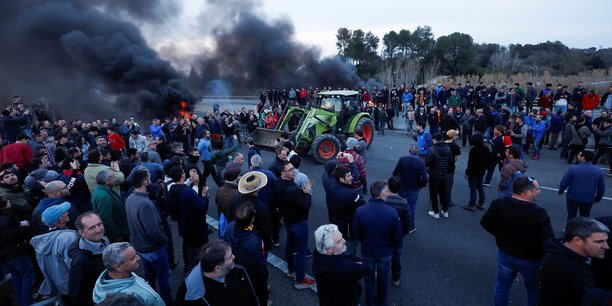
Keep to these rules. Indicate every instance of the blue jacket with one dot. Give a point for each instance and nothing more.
(377, 226)
(538, 129)
(411, 170)
(584, 183)
(204, 149)
(341, 206)
(424, 142)
(556, 124)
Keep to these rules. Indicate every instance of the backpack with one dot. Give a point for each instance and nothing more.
(222, 225)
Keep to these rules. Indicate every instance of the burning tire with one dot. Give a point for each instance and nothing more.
(325, 147)
(366, 125)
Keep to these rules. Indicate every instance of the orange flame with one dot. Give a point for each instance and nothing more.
(183, 111)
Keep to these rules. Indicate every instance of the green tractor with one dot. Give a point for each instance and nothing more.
(320, 129)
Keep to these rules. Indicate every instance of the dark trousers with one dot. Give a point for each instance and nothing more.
(209, 169)
(275, 216)
(607, 151)
(190, 255)
(475, 184)
(449, 181)
(573, 207)
(574, 150)
(466, 134)
(437, 188)
(396, 263)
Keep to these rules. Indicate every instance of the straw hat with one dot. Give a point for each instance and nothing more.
(251, 182)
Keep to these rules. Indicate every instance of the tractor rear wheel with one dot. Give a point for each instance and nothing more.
(365, 124)
(325, 147)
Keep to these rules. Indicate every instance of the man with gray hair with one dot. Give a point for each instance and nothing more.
(337, 274)
(109, 205)
(120, 261)
(267, 196)
(565, 274)
(152, 150)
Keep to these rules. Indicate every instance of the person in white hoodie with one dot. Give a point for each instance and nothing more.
(52, 251)
(120, 261)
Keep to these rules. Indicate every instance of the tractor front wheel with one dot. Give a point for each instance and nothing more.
(367, 127)
(325, 147)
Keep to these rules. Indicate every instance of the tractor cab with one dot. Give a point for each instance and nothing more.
(345, 103)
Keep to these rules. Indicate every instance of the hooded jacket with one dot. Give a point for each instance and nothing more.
(86, 266)
(479, 158)
(438, 160)
(31, 181)
(263, 219)
(52, 257)
(198, 290)
(564, 276)
(520, 228)
(338, 279)
(133, 285)
(246, 242)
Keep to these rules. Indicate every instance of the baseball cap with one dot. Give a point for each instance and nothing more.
(53, 213)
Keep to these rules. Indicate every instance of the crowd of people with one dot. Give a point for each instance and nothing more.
(86, 205)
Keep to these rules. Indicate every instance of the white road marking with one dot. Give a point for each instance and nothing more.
(557, 190)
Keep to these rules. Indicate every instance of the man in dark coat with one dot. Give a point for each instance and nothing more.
(86, 255)
(336, 273)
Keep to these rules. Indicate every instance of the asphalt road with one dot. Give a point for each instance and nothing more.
(445, 262)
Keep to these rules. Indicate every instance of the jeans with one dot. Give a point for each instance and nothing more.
(411, 198)
(297, 241)
(376, 283)
(156, 268)
(229, 142)
(507, 267)
(381, 129)
(396, 262)
(437, 187)
(22, 273)
(537, 146)
(573, 207)
(476, 185)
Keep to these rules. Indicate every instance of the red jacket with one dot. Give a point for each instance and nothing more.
(18, 153)
(590, 103)
(116, 142)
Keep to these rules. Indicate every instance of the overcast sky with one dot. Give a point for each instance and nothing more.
(579, 24)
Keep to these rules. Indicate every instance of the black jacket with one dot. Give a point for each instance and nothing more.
(338, 279)
(520, 228)
(84, 271)
(293, 203)
(263, 219)
(438, 160)
(479, 158)
(343, 201)
(189, 210)
(13, 238)
(564, 276)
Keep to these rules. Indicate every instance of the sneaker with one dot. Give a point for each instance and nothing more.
(434, 215)
(396, 283)
(305, 283)
(308, 254)
(412, 230)
(536, 156)
(276, 243)
(481, 206)
(469, 207)
(445, 214)
(291, 274)
(486, 184)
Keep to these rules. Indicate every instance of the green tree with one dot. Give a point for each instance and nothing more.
(391, 45)
(343, 36)
(456, 53)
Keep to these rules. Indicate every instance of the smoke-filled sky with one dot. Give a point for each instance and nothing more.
(134, 56)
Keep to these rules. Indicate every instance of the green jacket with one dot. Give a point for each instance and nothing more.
(221, 157)
(19, 200)
(90, 177)
(109, 205)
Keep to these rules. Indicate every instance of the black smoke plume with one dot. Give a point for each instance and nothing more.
(85, 58)
(252, 54)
